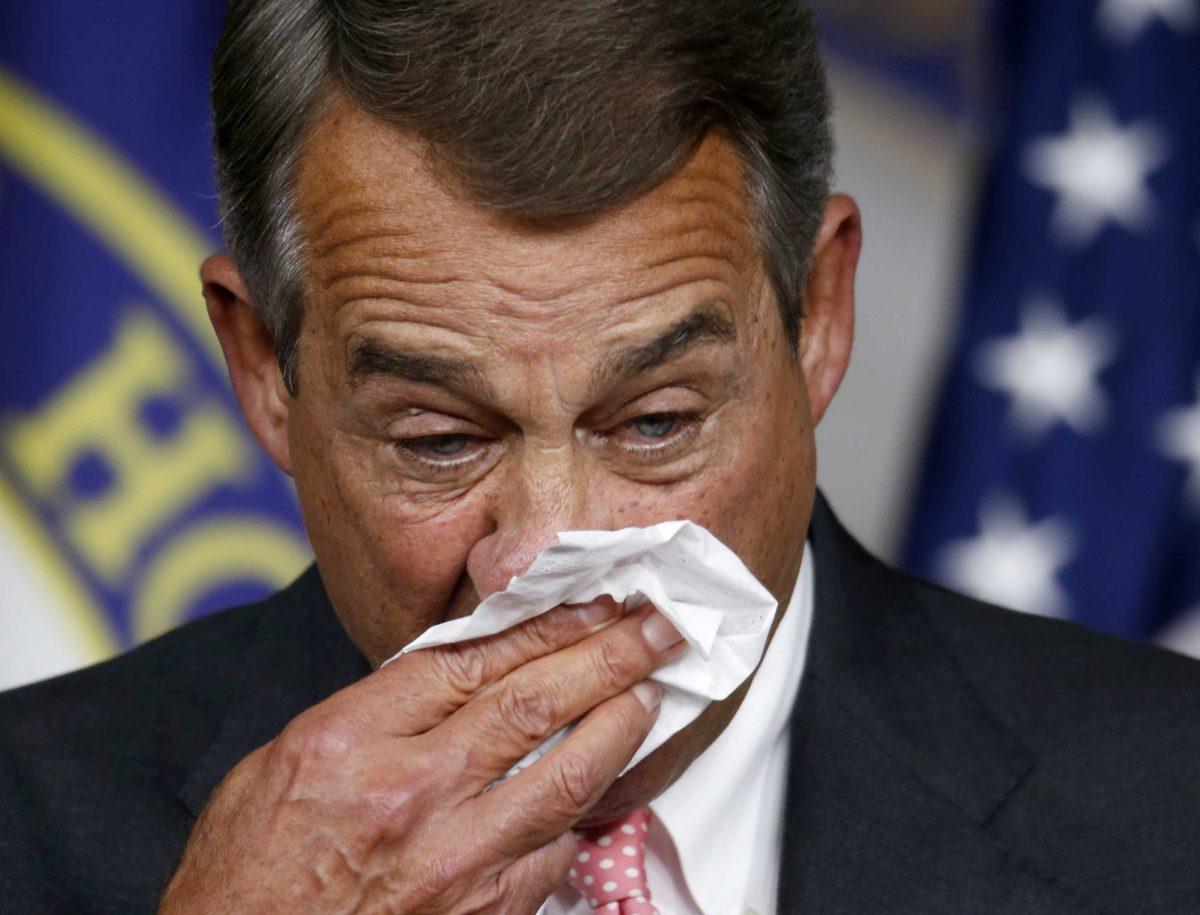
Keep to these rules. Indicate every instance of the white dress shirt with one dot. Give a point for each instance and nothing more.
(716, 834)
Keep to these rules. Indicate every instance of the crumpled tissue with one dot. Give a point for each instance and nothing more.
(690, 576)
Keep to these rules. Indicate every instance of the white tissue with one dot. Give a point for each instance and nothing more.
(694, 580)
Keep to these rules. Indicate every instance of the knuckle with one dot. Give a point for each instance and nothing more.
(463, 667)
(576, 780)
(450, 762)
(616, 669)
(392, 806)
(435, 880)
(526, 708)
(545, 631)
(552, 863)
(313, 739)
(493, 896)
(504, 893)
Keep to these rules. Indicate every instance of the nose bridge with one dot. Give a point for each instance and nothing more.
(543, 492)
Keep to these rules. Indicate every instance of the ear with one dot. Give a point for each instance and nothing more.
(250, 356)
(827, 329)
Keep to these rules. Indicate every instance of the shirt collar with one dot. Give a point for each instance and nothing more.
(710, 798)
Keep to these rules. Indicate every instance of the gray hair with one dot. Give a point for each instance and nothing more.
(542, 109)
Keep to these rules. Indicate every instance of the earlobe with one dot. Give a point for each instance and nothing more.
(827, 329)
(249, 355)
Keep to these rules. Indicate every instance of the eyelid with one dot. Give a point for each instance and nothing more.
(675, 399)
(430, 424)
(692, 423)
(405, 446)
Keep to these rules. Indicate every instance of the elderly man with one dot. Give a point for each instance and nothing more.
(502, 269)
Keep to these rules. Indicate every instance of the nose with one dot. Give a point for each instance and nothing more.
(542, 494)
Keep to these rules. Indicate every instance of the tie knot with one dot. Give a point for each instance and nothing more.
(609, 869)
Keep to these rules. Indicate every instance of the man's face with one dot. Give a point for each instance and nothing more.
(468, 386)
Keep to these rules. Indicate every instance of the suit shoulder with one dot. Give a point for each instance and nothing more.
(1052, 676)
(1108, 805)
(147, 701)
(107, 751)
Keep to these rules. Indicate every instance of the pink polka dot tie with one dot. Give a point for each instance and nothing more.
(610, 868)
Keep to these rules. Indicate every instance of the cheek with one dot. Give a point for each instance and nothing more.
(420, 548)
(392, 567)
(427, 561)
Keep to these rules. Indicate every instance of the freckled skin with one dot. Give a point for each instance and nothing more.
(396, 253)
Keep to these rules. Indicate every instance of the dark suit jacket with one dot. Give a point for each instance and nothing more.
(947, 757)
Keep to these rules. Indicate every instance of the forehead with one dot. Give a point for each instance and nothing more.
(372, 208)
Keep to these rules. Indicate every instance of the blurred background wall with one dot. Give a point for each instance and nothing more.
(1019, 419)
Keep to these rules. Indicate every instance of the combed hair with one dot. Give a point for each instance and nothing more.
(541, 109)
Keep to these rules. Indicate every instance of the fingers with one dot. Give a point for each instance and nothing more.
(516, 714)
(529, 881)
(434, 682)
(548, 798)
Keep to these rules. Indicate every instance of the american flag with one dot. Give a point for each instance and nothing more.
(1063, 470)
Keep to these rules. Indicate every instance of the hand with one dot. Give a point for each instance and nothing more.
(375, 800)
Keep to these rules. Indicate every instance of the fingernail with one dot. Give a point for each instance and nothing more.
(659, 632)
(598, 611)
(648, 693)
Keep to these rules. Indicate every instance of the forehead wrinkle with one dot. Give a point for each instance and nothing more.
(614, 263)
(348, 229)
(693, 210)
(530, 295)
(716, 257)
(399, 240)
(722, 194)
(355, 240)
(692, 197)
(453, 297)
(666, 287)
(577, 307)
(381, 245)
(333, 208)
(351, 287)
(723, 238)
(364, 284)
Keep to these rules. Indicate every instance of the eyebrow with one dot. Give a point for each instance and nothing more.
(705, 325)
(373, 359)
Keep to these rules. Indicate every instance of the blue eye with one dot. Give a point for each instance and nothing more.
(656, 425)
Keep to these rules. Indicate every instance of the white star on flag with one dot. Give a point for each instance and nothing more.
(1125, 20)
(1011, 563)
(1098, 170)
(1179, 438)
(1049, 370)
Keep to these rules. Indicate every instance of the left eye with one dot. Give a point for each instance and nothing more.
(437, 446)
(445, 445)
(656, 425)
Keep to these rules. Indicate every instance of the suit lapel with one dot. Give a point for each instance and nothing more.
(896, 763)
(299, 656)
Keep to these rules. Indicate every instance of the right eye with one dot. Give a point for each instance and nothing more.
(444, 457)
